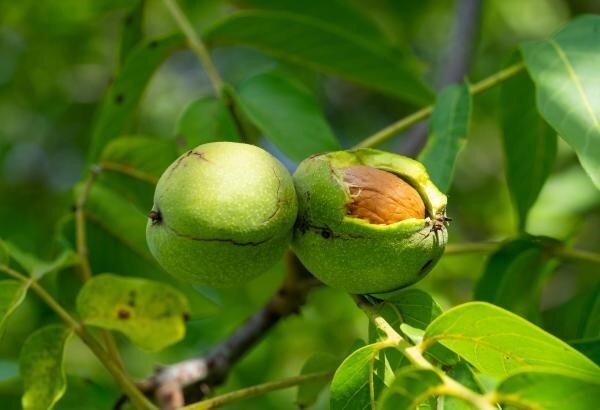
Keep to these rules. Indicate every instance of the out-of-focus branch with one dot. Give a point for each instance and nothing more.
(80, 234)
(192, 379)
(456, 62)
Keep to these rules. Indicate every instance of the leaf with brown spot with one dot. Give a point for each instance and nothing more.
(151, 314)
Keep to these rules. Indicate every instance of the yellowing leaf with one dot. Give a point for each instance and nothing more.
(151, 314)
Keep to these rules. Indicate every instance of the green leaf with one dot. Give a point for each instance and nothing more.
(529, 144)
(339, 13)
(125, 92)
(448, 127)
(42, 367)
(411, 306)
(417, 309)
(410, 387)
(515, 274)
(287, 114)
(12, 293)
(37, 268)
(309, 392)
(318, 46)
(355, 384)
(84, 394)
(151, 314)
(119, 218)
(140, 157)
(499, 343)
(116, 231)
(590, 327)
(4, 255)
(589, 347)
(133, 166)
(132, 29)
(564, 69)
(205, 120)
(462, 373)
(579, 318)
(549, 391)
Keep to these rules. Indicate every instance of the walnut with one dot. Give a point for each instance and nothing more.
(381, 197)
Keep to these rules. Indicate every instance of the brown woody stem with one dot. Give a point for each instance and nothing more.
(196, 377)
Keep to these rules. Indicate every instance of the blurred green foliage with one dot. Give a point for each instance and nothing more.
(57, 59)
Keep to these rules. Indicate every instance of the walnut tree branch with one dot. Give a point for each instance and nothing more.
(456, 61)
(192, 379)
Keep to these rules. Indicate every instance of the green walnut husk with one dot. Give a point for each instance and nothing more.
(351, 253)
(223, 214)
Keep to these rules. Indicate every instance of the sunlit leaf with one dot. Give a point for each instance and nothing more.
(125, 92)
(12, 293)
(564, 68)
(448, 127)
(411, 311)
(499, 343)
(287, 114)
(205, 120)
(151, 314)
(549, 391)
(355, 384)
(41, 367)
(309, 392)
(410, 387)
(528, 141)
(316, 45)
(515, 274)
(412, 306)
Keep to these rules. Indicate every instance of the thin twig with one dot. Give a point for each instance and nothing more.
(126, 385)
(565, 254)
(574, 255)
(196, 45)
(400, 125)
(258, 390)
(84, 259)
(415, 356)
(198, 376)
(129, 171)
(80, 234)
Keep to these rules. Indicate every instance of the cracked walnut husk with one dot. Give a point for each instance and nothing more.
(369, 221)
